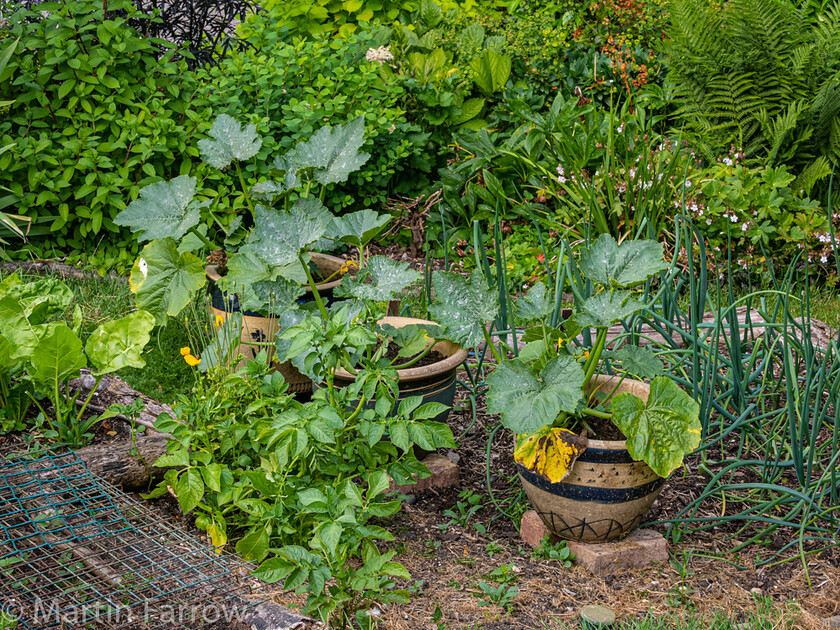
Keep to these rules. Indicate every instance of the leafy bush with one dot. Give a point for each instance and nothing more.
(287, 91)
(757, 213)
(99, 113)
(760, 77)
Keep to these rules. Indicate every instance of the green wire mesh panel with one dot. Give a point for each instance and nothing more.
(76, 552)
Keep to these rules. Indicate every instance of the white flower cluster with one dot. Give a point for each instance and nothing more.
(380, 55)
(561, 174)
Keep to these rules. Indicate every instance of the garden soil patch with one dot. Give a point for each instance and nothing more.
(448, 560)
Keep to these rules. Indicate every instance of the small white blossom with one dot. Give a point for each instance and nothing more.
(727, 161)
(823, 259)
(744, 227)
(709, 222)
(381, 54)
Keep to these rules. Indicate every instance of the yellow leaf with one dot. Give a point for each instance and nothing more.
(549, 452)
(217, 537)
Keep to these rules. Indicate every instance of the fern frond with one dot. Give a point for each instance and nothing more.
(811, 174)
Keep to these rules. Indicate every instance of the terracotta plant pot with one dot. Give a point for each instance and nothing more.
(256, 328)
(605, 495)
(435, 382)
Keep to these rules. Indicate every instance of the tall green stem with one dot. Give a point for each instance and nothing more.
(594, 357)
(245, 189)
(492, 346)
(203, 238)
(314, 288)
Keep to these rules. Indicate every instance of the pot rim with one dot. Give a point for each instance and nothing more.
(455, 354)
(212, 271)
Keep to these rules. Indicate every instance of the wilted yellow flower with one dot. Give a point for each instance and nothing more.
(347, 267)
(560, 342)
(220, 319)
(185, 351)
(191, 360)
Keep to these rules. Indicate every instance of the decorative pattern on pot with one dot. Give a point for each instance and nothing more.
(258, 329)
(605, 495)
(435, 382)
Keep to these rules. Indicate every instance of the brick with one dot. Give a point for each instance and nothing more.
(445, 473)
(637, 550)
(531, 529)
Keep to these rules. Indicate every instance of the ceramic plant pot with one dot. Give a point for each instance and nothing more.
(256, 328)
(435, 382)
(605, 495)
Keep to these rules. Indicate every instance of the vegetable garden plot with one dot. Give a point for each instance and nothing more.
(75, 552)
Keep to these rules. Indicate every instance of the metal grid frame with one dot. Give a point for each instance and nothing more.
(76, 552)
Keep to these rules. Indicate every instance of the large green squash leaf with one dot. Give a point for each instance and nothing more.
(230, 141)
(528, 403)
(662, 431)
(58, 356)
(607, 308)
(164, 209)
(463, 306)
(536, 305)
(119, 343)
(621, 266)
(278, 237)
(357, 228)
(165, 281)
(380, 280)
(333, 153)
(641, 362)
(491, 71)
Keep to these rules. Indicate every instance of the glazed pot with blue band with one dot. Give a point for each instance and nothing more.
(257, 329)
(605, 494)
(435, 382)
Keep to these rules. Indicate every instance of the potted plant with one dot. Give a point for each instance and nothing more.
(271, 268)
(593, 449)
(395, 358)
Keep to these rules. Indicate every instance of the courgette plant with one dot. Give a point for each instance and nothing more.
(269, 246)
(548, 391)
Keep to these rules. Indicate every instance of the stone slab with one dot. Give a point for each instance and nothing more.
(445, 473)
(640, 548)
(531, 529)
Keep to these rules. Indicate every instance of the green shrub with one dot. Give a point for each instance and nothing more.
(288, 91)
(98, 114)
(760, 77)
(757, 213)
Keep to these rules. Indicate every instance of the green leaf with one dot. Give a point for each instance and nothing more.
(189, 489)
(333, 153)
(527, 403)
(470, 109)
(463, 306)
(230, 142)
(429, 16)
(278, 237)
(17, 329)
(662, 431)
(413, 338)
(380, 280)
(395, 569)
(621, 266)
(491, 71)
(535, 305)
(639, 361)
(357, 228)
(58, 356)
(329, 534)
(40, 299)
(606, 308)
(163, 280)
(254, 546)
(119, 343)
(378, 483)
(164, 209)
